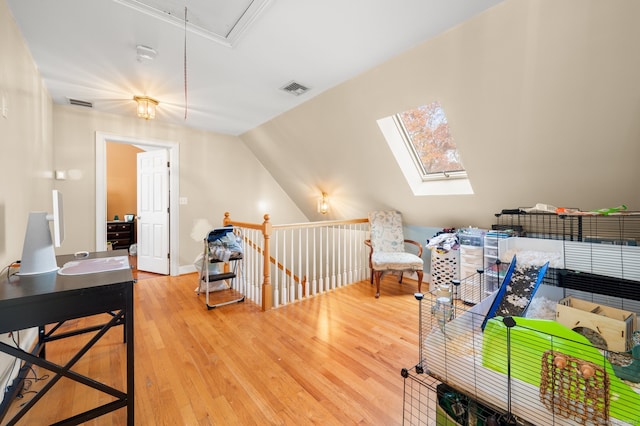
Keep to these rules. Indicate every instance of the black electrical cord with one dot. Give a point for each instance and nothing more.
(28, 382)
(8, 268)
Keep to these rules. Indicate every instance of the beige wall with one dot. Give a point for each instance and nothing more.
(121, 180)
(25, 140)
(542, 98)
(217, 174)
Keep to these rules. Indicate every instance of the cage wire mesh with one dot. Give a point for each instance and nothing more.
(534, 371)
(529, 373)
(619, 229)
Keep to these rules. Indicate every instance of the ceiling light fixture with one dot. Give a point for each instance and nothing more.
(146, 107)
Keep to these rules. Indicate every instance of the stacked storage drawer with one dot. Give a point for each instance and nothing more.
(493, 272)
(471, 260)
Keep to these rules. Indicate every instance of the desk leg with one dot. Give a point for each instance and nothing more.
(128, 326)
(41, 340)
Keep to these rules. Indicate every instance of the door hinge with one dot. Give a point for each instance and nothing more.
(168, 164)
(168, 255)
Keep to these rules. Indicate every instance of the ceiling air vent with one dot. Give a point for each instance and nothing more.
(78, 102)
(295, 88)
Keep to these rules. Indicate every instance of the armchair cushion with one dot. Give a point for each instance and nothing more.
(396, 261)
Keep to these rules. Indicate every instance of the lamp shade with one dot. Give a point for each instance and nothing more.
(146, 107)
(323, 204)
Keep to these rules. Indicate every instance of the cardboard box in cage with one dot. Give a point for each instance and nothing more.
(615, 326)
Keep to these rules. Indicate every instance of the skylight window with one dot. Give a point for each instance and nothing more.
(426, 132)
(425, 150)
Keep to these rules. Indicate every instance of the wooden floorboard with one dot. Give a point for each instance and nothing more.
(333, 359)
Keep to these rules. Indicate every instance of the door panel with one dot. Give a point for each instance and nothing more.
(153, 212)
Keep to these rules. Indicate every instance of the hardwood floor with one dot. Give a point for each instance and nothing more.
(333, 359)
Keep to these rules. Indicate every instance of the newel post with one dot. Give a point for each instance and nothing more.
(267, 288)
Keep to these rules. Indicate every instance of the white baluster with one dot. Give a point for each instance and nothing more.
(340, 255)
(274, 276)
(292, 281)
(306, 268)
(300, 256)
(320, 277)
(327, 271)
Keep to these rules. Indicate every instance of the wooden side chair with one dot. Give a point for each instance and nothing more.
(388, 254)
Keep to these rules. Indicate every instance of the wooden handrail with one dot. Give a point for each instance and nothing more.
(227, 221)
(321, 223)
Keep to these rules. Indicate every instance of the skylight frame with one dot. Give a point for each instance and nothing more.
(421, 185)
(415, 156)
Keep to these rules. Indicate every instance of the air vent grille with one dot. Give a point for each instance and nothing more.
(78, 102)
(295, 88)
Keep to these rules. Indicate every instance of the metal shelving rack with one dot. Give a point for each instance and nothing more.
(227, 294)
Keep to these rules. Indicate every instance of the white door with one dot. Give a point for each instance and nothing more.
(153, 212)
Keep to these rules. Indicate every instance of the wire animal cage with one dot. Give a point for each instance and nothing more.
(533, 367)
(620, 228)
(518, 370)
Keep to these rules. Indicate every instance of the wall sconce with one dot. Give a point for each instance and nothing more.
(146, 107)
(323, 204)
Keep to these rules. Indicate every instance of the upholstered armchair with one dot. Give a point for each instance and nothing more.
(387, 245)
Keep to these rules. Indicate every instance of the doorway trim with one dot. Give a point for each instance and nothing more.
(174, 185)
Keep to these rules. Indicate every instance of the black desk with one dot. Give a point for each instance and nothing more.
(38, 300)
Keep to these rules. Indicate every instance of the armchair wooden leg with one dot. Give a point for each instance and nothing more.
(420, 275)
(378, 275)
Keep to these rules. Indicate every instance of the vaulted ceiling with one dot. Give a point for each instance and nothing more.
(220, 65)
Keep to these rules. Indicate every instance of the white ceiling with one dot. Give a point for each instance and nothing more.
(86, 50)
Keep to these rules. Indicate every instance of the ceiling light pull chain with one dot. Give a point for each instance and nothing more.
(185, 62)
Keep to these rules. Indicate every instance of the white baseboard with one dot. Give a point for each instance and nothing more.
(186, 269)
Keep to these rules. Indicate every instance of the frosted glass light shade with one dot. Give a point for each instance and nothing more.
(146, 107)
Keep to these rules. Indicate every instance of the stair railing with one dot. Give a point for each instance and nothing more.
(308, 258)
